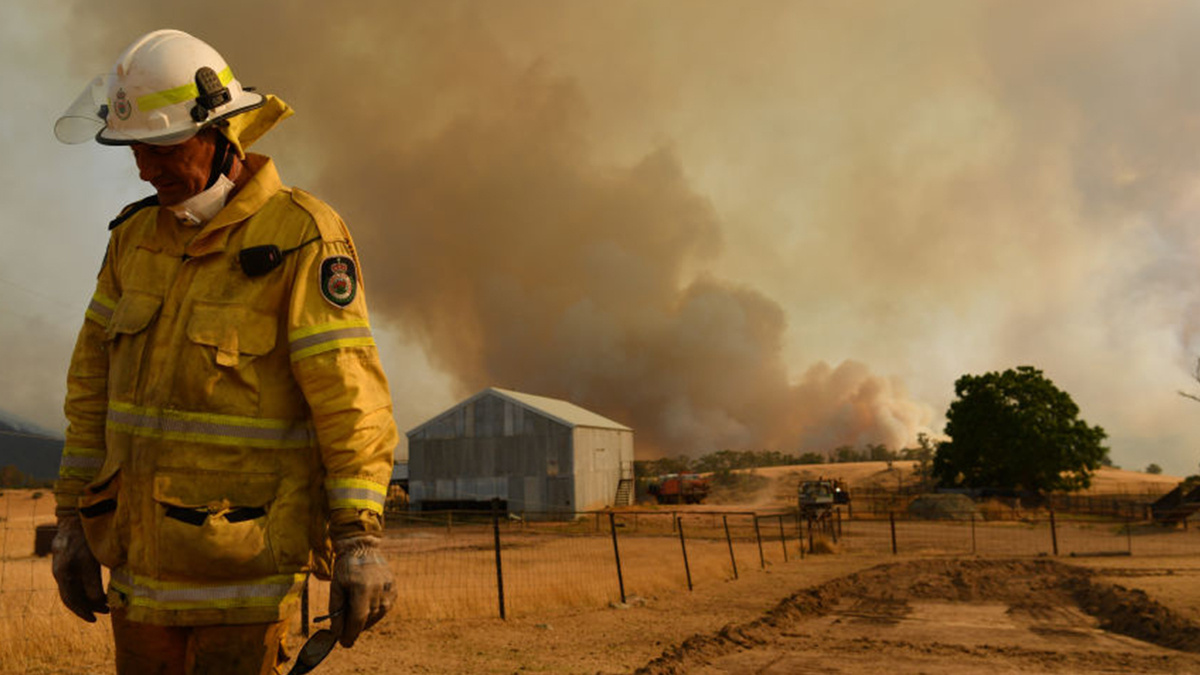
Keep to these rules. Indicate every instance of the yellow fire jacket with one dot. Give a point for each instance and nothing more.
(227, 410)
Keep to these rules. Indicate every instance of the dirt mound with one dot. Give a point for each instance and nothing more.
(1131, 612)
(1062, 606)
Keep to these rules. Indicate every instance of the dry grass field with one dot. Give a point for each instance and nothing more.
(878, 475)
(562, 593)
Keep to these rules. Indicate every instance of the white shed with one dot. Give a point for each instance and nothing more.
(541, 456)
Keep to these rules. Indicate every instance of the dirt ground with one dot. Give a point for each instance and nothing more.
(841, 614)
(844, 613)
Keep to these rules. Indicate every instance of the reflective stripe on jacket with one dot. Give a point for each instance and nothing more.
(220, 421)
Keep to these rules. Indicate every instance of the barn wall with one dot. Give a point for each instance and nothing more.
(491, 447)
(599, 455)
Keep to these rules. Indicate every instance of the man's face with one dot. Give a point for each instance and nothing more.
(177, 172)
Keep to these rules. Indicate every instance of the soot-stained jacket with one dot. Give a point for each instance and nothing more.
(227, 410)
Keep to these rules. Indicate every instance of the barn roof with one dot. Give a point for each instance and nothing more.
(563, 412)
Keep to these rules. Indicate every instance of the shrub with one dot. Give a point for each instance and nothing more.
(943, 507)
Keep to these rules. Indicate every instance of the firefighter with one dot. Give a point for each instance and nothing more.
(230, 427)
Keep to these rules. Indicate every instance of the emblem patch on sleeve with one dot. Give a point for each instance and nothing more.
(339, 282)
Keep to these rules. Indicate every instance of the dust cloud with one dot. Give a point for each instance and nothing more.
(534, 192)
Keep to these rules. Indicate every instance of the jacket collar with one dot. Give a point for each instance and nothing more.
(263, 184)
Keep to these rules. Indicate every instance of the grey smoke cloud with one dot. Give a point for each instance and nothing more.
(718, 222)
(520, 259)
(497, 237)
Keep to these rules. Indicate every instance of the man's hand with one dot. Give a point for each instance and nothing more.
(76, 570)
(361, 588)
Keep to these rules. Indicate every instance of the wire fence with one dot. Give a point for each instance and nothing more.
(458, 564)
(877, 502)
(36, 631)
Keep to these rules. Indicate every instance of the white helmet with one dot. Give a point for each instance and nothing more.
(164, 88)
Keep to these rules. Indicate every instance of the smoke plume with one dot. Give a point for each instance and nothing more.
(499, 232)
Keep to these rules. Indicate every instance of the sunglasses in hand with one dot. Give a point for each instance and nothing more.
(316, 648)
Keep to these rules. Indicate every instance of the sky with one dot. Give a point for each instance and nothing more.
(784, 225)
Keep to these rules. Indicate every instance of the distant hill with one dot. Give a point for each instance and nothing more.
(11, 422)
(33, 450)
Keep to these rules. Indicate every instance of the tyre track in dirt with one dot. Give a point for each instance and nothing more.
(951, 616)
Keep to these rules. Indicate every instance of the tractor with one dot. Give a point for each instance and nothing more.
(818, 497)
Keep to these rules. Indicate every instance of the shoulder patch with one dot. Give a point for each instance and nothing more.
(129, 211)
(339, 280)
(329, 224)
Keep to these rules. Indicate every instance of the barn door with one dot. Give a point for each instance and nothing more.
(559, 497)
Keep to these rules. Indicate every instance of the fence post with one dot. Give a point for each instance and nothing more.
(496, 539)
(892, 521)
(762, 560)
(1053, 533)
(838, 513)
(729, 541)
(782, 538)
(1129, 535)
(612, 523)
(972, 533)
(800, 533)
(810, 535)
(687, 570)
(304, 608)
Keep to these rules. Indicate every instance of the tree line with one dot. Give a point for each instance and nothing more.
(1010, 430)
(12, 477)
(732, 460)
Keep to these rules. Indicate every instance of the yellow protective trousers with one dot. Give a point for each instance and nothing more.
(149, 649)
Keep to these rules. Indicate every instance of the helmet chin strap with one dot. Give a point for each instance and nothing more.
(202, 206)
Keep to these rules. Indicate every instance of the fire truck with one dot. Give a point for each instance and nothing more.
(679, 488)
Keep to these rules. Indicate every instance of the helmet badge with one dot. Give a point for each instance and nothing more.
(121, 106)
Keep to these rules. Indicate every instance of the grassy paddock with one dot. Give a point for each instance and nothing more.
(445, 567)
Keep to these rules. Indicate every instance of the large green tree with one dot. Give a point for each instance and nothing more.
(1016, 430)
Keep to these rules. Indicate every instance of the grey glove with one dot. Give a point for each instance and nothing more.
(76, 570)
(361, 591)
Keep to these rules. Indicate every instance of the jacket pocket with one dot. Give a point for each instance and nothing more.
(104, 516)
(226, 340)
(214, 525)
(127, 335)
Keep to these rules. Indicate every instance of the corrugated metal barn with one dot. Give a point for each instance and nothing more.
(539, 455)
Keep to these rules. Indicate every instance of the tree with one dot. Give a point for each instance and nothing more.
(1016, 430)
(846, 453)
(923, 455)
(878, 452)
(924, 451)
(1154, 469)
(1196, 377)
(658, 467)
(11, 477)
